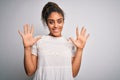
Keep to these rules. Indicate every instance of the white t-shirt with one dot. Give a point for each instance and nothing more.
(54, 58)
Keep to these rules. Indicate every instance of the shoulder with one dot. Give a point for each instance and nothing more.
(42, 37)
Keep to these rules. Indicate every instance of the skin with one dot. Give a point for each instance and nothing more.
(79, 42)
(55, 24)
(30, 60)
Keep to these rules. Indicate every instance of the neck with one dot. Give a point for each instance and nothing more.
(55, 36)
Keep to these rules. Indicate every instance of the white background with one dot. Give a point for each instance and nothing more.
(100, 59)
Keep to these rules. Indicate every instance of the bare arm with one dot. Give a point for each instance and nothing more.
(76, 62)
(79, 43)
(30, 61)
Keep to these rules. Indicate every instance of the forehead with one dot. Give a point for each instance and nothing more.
(55, 16)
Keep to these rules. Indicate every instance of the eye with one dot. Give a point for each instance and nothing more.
(60, 21)
(51, 22)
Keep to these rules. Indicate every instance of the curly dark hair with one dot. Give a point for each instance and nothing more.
(48, 9)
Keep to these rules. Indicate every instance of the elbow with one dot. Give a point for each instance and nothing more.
(74, 75)
(75, 72)
(30, 73)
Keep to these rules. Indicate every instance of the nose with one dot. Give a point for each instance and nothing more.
(56, 25)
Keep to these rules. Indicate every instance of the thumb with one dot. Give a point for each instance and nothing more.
(37, 38)
(20, 33)
(73, 41)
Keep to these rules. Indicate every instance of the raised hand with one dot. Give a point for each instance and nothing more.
(81, 38)
(27, 36)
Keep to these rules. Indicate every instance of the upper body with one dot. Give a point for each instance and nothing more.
(44, 55)
(54, 58)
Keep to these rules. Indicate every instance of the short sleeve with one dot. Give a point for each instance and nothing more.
(34, 49)
(72, 48)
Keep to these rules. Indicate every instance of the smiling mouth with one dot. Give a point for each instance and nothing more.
(56, 30)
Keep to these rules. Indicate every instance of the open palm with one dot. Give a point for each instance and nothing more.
(81, 38)
(27, 36)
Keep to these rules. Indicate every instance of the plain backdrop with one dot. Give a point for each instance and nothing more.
(100, 59)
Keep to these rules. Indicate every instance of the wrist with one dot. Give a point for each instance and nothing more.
(28, 48)
(79, 49)
(27, 51)
(79, 52)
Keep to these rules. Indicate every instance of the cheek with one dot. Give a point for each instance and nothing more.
(61, 26)
(50, 26)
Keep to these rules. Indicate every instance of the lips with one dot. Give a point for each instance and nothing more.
(56, 30)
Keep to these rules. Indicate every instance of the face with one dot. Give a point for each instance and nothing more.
(55, 24)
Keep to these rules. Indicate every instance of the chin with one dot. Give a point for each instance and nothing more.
(56, 35)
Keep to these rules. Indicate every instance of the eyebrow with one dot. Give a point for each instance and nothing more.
(53, 19)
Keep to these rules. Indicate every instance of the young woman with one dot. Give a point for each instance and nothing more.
(52, 57)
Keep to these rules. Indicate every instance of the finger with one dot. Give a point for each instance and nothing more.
(77, 33)
(84, 32)
(27, 25)
(25, 28)
(21, 34)
(73, 41)
(87, 36)
(81, 31)
(32, 29)
(29, 31)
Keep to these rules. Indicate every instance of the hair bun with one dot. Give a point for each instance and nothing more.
(48, 9)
